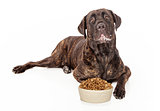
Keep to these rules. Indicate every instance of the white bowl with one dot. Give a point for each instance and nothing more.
(95, 96)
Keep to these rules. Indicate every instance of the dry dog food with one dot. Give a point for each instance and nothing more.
(95, 84)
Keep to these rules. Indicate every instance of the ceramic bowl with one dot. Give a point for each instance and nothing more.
(95, 96)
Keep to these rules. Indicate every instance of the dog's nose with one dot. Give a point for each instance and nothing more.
(100, 26)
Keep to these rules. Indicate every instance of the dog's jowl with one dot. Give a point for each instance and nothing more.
(92, 55)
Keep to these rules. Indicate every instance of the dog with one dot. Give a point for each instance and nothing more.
(92, 55)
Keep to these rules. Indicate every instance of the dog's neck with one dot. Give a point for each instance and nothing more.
(103, 49)
(102, 52)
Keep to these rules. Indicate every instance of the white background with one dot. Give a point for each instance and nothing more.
(31, 29)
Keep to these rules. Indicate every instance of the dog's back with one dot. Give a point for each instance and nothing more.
(68, 51)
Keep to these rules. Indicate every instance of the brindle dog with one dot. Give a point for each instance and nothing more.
(92, 55)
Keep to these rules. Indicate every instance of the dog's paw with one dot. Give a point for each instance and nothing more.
(18, 69)
(119, 92)
(66, 69)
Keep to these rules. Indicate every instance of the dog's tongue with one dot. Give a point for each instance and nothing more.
(102, 36)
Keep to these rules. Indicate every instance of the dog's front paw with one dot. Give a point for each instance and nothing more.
(19, 69)
(66, 69)
(119, 92)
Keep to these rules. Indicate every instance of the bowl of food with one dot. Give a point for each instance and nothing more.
(95, 90)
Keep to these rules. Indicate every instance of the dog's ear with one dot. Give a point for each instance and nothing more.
(82, 27)
(117, 19)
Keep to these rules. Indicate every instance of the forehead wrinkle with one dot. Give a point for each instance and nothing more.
(98, 14)
(90, 14)
(109, 13)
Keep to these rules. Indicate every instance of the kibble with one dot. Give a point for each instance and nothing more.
(95, 84)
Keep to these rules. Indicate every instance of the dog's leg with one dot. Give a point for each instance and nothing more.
(66, 69)
(49, 62)
(58, 59)
(78, 75)
(83, 72)
(119, 91)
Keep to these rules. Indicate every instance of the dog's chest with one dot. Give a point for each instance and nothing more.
(101, 61)
(107, 66)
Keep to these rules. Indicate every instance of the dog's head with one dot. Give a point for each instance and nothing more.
(100, 25)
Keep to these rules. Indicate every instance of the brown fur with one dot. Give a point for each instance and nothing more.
(87, 57)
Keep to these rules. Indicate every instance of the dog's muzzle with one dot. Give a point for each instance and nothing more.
(102, 36)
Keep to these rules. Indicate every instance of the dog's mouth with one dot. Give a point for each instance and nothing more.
(103, 38)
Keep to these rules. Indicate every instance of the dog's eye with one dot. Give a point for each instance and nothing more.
(106, 17)
(93, 19)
